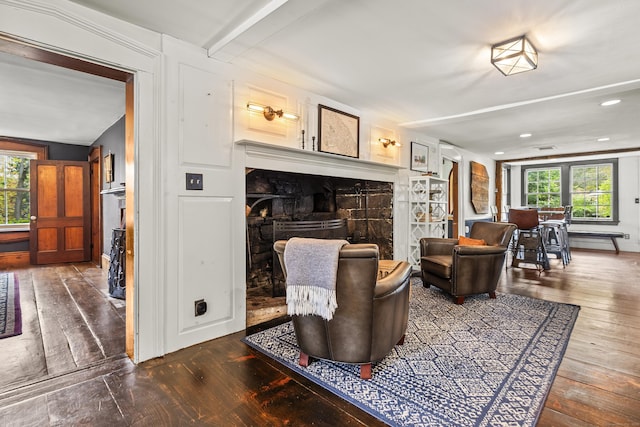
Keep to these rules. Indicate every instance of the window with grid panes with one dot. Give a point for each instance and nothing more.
(592, 191)
(14, 188)
(543, 188)
(590, 186)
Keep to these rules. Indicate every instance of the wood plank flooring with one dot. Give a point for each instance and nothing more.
(223, 382)
(69, 322)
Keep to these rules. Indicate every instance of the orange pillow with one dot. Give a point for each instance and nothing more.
(468, 241)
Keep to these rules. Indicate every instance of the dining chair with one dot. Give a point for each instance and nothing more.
(529, 245)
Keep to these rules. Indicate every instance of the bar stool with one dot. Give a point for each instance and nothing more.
(554, 237)
(529, 244)
(557, 235)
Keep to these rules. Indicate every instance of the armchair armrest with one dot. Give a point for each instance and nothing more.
(480, 250)
(394, 280)
(437, 246)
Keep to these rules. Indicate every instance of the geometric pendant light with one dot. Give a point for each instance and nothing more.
(514, 56)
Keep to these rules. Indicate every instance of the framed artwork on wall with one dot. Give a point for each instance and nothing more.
(479, 187)
(338, 132)
(419, 157)
(108, 168)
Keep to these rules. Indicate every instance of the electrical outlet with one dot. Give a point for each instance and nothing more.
(626, 236)
(200, 307)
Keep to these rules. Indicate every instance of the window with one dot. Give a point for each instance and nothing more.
(14, 188)
(591, 187)
(543, 188)
(15, 155)
(592, 191)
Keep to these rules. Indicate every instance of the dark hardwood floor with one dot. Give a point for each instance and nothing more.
(223, 382)
(68, 322)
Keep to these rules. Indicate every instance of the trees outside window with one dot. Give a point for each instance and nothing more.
(592, 191)
(14, 188)
(591, 187)
(543, 188)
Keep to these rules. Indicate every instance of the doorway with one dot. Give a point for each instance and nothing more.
(31, 52)
(450, 170)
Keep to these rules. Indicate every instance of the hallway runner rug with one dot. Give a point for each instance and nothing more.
(10, 313)
(487, 362)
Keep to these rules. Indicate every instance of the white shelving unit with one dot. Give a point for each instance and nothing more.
(428, 209)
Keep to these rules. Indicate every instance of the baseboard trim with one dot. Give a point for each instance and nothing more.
(105, 262)
(15, 259)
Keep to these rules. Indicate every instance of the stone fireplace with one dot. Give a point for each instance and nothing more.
(287, 185)
(366, 207)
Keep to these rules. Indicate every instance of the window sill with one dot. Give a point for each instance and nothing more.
(14, 228)
(583, 222)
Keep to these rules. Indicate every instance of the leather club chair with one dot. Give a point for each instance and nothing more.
(372, 313)
(466, 270)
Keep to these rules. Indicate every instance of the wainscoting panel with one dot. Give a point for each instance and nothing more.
(205, 129)
(14, 259)
(205, 261)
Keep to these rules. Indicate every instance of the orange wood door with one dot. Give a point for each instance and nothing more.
(60, 212)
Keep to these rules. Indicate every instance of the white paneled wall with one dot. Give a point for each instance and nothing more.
(203, 226)
(190, 110)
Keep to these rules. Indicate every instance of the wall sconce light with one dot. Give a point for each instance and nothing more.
(514, 56)
(269, 113)
(386, 142)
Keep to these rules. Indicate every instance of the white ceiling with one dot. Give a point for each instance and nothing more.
(49, 103)
(425, 65)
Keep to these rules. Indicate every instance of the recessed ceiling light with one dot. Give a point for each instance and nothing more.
(498, 153)
(525, 135)
(610, 102)
(603, 139)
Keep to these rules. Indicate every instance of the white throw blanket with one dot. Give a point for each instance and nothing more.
(312, 270)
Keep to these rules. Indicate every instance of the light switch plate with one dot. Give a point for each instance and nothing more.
(194, 181)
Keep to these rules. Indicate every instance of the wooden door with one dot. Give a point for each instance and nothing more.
(60, 212)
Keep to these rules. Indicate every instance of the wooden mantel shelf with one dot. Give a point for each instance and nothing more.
(278, 157)
(265, 147)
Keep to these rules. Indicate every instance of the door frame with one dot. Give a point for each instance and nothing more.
(95, 182)
(454, 192)
(33, 52)
(454, 197)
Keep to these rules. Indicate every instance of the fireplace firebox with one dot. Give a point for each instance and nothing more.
(363, 208)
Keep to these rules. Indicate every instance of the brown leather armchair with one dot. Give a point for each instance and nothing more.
(372, 313)
(466, 270)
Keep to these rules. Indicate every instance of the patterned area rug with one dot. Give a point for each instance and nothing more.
(10, 314)
(484, 363)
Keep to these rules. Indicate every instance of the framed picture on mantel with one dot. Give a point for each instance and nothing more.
(338, 132)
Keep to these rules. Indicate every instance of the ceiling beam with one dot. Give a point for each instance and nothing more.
(569, 155)
(265, 22)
